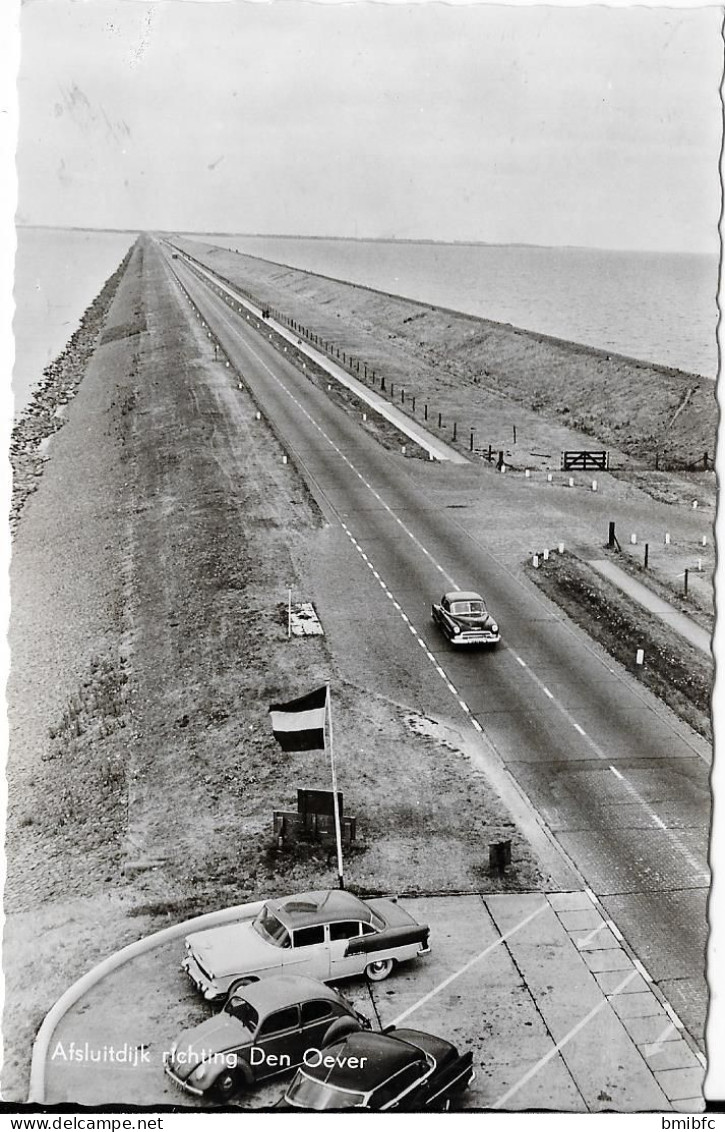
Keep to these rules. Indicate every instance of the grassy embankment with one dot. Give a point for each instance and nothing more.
(481, 373)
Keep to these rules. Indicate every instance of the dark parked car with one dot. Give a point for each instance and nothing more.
(263, 1029)
(396, 1071)
(464, 620)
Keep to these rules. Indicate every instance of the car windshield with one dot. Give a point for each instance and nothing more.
(304, 1092)
(270, 928)
(475, 608)
(239, 1008)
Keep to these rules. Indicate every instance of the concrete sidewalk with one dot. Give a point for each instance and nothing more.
(680, 622)
(557, 1013)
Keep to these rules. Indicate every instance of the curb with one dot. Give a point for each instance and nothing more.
(36, 1089)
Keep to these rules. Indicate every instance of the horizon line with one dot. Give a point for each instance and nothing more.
(370, 239)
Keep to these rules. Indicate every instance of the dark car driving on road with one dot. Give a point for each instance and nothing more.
(463, 618)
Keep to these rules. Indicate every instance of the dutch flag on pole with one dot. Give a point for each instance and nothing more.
(300, 724)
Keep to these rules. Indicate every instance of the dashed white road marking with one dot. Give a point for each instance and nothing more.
(642, 970)
(699, 873)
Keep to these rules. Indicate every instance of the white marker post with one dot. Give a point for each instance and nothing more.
(289, 614)
(335, 803)
(640, 656)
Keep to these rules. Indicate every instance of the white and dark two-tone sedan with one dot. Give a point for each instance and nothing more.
(328, 934)
(464, 619)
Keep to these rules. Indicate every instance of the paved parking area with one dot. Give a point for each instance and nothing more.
(538, 986)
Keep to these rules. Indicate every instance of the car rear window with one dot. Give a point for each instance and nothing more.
(239, 1008)
(345, 929)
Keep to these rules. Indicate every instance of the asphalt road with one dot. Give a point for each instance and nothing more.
(619, 782)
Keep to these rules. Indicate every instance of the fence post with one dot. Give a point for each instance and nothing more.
(425, 411)
(440, 418)
(646, 555)
(686, 575)
(612, 538)
(455, 428)
(471, 446)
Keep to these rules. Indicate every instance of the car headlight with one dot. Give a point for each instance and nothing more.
(200, 1074)
(494, 627)
(456, 630)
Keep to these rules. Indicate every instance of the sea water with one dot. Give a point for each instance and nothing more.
(58, 273)
(658, 307)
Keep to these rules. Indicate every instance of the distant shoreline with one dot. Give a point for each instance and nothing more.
(379, 240)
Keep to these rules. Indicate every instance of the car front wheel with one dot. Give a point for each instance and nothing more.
(229, 1083)
(378, 970)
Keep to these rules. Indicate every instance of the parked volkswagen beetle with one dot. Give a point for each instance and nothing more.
(263, 1029)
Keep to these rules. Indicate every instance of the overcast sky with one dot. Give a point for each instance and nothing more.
(588, 126)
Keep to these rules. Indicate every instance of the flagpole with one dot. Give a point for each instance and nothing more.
(335, 803)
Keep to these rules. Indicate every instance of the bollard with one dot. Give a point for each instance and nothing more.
(699, 564)
(549, 478)
(694, 505)
(527, 474)
(259, 415)
(561, 548)
(704, 540)
(667, 538)
(284, 459)
(546, 556)
(403, 449)
(535, 562)
(503, 469)
(499, 856)
(633, 540)
(329, 387)
(365, 416)
(594, 485)
(640, 656)
(571, 482)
